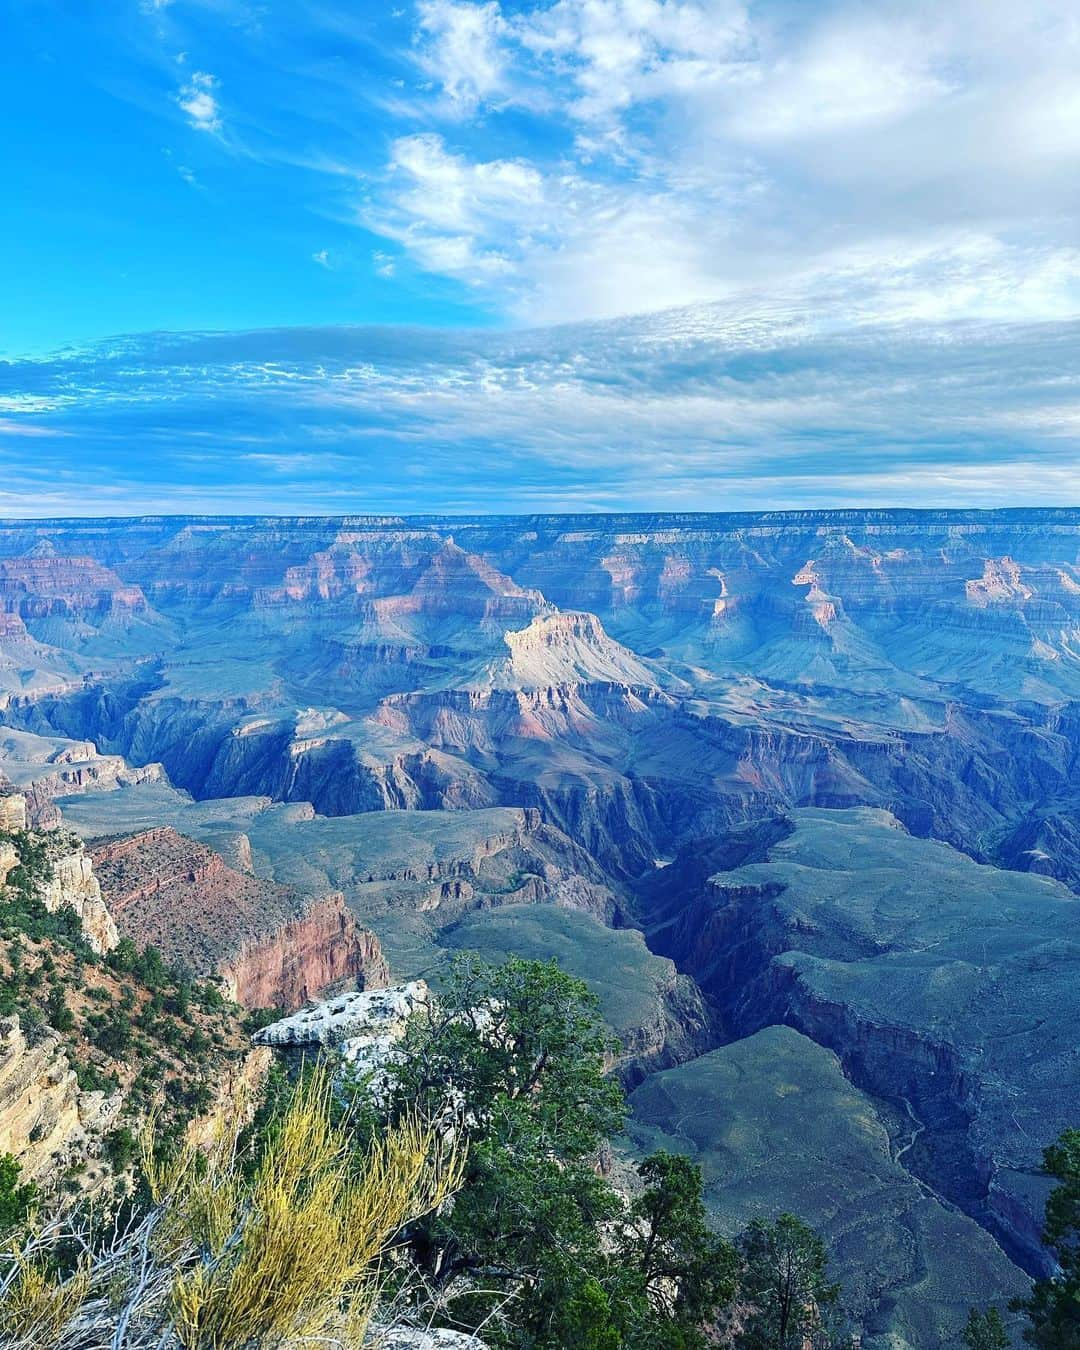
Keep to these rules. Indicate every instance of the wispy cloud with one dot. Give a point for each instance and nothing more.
(709, 406)
(198, 101)
(10, 427)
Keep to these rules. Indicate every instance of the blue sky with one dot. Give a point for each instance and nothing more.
(570, 254)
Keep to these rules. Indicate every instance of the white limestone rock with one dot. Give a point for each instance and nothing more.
(350, 1021)
(74, 886)
(417, 1338)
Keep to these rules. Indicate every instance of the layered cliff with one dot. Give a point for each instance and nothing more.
(641, 680)
(270, 944)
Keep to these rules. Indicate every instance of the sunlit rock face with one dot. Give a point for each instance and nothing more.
(73, 885)
(364, 1029)
(639, 679)
(419, 1338)
(12, 811)
(44, 1118)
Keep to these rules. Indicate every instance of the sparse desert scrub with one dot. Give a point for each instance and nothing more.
(270, 1244)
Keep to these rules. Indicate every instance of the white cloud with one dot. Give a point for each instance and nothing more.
(925, 157)
(322, 257)
(551, 244)
(618, 53)
(199, 102)
(459, 48)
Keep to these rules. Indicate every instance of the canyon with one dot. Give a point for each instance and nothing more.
(798, 794)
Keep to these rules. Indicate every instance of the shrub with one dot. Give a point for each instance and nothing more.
(121, 1147)
(16, 1199)
(227, 1257)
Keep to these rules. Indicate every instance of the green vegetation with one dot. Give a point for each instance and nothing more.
(986, 1331)
(785, 1285)
(538, 1250)
(669, 1268)
(1053, 1310)
(16, 1198)
(514, 1057)
(127, 1020)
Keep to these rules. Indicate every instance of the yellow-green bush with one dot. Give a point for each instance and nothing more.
(232, 1256)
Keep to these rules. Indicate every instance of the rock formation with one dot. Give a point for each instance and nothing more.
(270, 944)
(532, 734)
(46, 1122)
(363, 1028)
(73, 885)
(368, 1015)
(12, 811)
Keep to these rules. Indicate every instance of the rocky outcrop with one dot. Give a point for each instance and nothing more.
(46, 1122)
(73, 885)
(271, 944)
(9, 859)
(364, 1028)
(12, 811)
(420, 1338)
(350, 1017)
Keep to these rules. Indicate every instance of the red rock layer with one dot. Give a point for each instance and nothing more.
(273, 945)
(305, 957)
(37, 587)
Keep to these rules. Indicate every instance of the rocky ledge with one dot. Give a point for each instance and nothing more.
(351, 1017)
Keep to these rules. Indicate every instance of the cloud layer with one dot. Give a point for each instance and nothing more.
(689, 148)
(711, 407)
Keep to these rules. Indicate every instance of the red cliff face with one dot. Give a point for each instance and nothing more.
(307, 955)
(273, 945)
(40, 587)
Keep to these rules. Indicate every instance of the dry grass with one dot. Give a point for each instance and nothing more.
(227, 1260)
